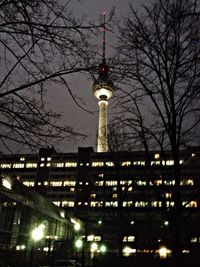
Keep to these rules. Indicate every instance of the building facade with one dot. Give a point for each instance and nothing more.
(32, 228)
(123, 203)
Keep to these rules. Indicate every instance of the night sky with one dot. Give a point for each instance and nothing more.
(59, 98)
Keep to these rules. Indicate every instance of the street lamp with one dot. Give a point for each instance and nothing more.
(78, 246)
(37, 234)
(103, 248)
(78, 243)
(163, 252)
(77, 226)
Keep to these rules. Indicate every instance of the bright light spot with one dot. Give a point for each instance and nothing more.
(166, 223)
(62, 214)
(127, 251)
(79, 243)
(100, 222)
(103, 248)
(94, 247)
(163, 251)
(157, 156)
(38, 233)
(90, 238)
(6, 183)
(77, 226)
(132, 222)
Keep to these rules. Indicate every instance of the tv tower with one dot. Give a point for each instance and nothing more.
(103, 89)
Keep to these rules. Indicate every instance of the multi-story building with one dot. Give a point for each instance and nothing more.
(32, 228)
(122, 201)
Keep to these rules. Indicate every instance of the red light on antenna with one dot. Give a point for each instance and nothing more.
(104, 13)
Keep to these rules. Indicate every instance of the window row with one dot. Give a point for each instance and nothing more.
(136, 204)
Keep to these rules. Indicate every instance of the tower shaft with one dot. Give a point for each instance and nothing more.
(102, 145)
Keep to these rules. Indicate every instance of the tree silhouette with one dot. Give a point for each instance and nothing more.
(158, 66)
(41, 43)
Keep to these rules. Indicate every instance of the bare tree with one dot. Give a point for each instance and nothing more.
(160, 73)
(41, 42)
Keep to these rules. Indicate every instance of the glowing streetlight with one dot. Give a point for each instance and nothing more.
(77, 227)
(103, 248)
(163, 252)
(127, 251)
(94, 247)
(78, 243)
(38, 233)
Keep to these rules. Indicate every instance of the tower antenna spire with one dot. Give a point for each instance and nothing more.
(104, 38)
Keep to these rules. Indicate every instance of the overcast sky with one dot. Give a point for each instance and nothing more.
(86, 122)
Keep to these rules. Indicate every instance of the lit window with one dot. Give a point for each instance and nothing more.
(48, 164)
(29, 184)
(92, 195)
(191, 204)
(99, 183)
(110, 164)
(168, 195)
(114, 196)
(55, 183)
(127, 203)
(69, 183)
(157, 156)
(96, 203)
(58, 165)
(5, 166)
(41, 164)
(101, 175)
(49, 159)
(193, 155)
(98, 164)
(169, 204)
(70, 164)
(195, 240)
(42, 159)
(156, 204)
(142, 163)
(22, 159)
(57, 203)
(72, 189)
(141, 183)
(169, 162)
(111, 204)
(158, 182)
(7, 183)
(189, 182)
(130, 238)
(31, 165)
(91, 238)
(126, 163)
(155, 162)
(123, 182)
(45, 183)
(130, 189)
(18, 165)
(169, 182)
(67, 203)
(111, 183)
(141, 204)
